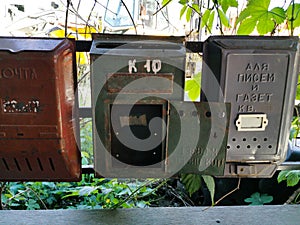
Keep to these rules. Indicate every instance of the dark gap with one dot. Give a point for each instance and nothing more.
(17, 164)
(28, 164)
(51, 164)
(5, 163)
(40, 164)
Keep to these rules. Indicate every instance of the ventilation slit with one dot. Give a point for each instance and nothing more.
(28, 164)
(5, 164)
(40, 164)
(17, 164)
(51, 164)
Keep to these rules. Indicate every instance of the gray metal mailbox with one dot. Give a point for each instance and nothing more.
(142, 127)
(258, 76)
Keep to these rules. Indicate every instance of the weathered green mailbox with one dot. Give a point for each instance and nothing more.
(142, 128)
(258, 76)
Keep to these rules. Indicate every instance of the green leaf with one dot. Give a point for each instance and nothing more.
(257, 14)
(183, 2)
(182, 11)
(188, 15)
(265, 24)
(190, 85)
(165, 2)
(211, 21)
(243, 15)
(192, 182)
(298, 89)
(258, 199)
(196, 8)
(205, 17)
(292, 178)
(224, 20)
(210, 183)
(87, 190)
(193, 89)
(266, 198)
(225, 4)
(247, 26)
(278, 14)
(282, 175)
(295, 17)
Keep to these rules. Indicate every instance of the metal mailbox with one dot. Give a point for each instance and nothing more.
(37, 126)
(258, 76)
(142, 128)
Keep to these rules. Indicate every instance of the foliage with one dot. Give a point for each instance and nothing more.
(193, 86)
(192, 183)
(86, 141)
(295, 127)
(210, 183)
(90, 193)
(212, 10)
(257, 15)
(259, 199)
(292, 177)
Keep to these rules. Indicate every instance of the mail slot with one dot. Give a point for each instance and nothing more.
(258, 75)
(142, 127)
(37, 126)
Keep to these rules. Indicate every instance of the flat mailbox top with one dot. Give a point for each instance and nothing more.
(16, 44)
(256, 42)
(135, 44)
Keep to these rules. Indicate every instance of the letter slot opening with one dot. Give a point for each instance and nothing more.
(251, 122)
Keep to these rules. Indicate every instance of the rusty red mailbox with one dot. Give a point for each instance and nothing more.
(37, 126)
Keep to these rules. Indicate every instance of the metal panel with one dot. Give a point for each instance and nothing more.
(37, 129)
(258, 75)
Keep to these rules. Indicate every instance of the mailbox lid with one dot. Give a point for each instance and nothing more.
(256, 42)
(20, 44)
(137, 45)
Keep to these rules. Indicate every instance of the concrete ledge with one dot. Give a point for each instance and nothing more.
(287, 214)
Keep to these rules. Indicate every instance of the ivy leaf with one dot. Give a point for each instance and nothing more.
(224, 20)
(210, 183)
(225, 4)
(257, 14)
(292, 178)
(258, 199)
(247, 26)
(278, 14)
(192, 182)
(282, 176)
(265, 24)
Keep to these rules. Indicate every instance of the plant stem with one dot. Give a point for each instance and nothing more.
(292, 197)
